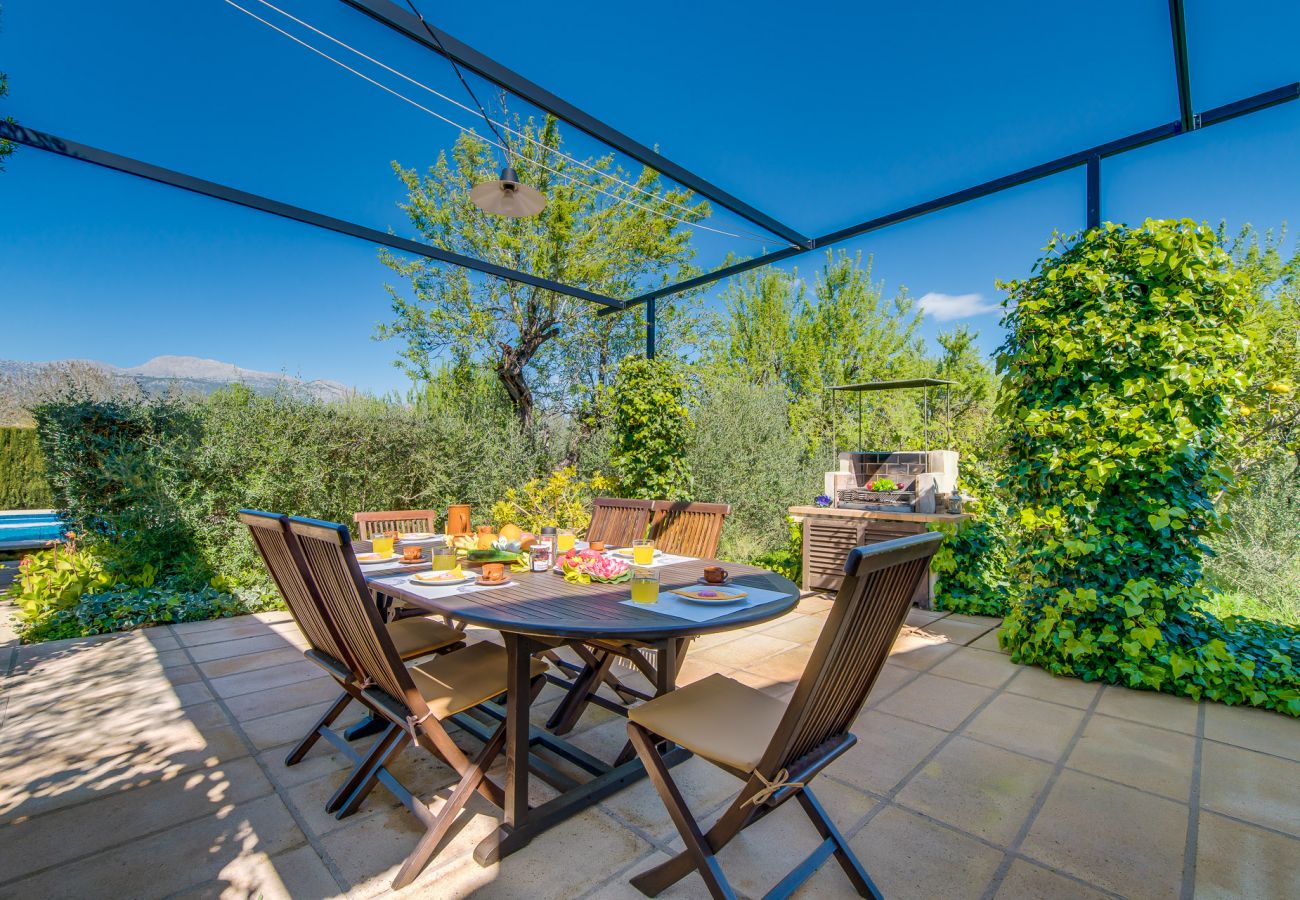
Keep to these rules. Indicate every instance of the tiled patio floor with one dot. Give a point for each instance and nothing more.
(150, 765)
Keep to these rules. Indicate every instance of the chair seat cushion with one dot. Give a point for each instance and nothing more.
(419, 635)
(456, 681)
(718, 718)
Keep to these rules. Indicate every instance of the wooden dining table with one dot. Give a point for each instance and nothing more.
(540, 611)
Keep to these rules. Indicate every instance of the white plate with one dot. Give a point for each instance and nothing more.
(712, 601)
(433, 582)
(626, 553)
(370, 559)
(417, 537)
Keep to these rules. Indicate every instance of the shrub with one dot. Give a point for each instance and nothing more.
(53, 580)
(560, 499)
(745, 453)
(1124, 352)
(652, 429)
(22, 471)
(788, 560)
(1257, 555)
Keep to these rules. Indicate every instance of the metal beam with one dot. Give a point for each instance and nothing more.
(409, 25)
(1178, 29)
(73, 150)
(1024, 176)
(650, 324)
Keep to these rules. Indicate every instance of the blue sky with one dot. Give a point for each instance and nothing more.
(820, 115)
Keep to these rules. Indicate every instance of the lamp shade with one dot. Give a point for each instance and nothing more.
(508, 196)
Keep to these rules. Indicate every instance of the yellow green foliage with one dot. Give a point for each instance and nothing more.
(560, 499)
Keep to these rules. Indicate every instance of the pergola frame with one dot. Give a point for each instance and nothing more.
(409, 25)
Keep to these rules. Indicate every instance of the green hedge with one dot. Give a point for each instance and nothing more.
(22, 471)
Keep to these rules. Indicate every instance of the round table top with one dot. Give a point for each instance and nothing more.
(544, 604)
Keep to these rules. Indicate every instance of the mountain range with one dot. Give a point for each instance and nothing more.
(190, 373)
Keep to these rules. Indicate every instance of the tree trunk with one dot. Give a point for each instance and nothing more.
(510, 369)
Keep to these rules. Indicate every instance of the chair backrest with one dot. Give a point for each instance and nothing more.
(619, 522)
(284, 560)
(869, 610)
(327, 552)
(370, 523)
(688, 529)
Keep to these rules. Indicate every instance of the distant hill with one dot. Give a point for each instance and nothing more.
(189, 373)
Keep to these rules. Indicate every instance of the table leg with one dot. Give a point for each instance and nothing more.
(518, 703)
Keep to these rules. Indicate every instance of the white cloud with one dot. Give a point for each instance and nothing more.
(946, 307)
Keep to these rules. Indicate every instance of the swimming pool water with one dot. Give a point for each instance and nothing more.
(29, 526)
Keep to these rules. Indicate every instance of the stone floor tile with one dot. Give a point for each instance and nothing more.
(1254, 729)
(283, 699)
(815, 604)
(1026, 881)
(692, 670)
(1253, 786)
(958, 631)
(170, 659)
(977, 667)
(910, 857)
(172, 860)
(1035, 682)
(917, 617)
(1238, 860)
(620, 888)
(788, 666)
(740, 654)
(309, 800)
(250, 662)
(936, 701)
(266, 679)
(292, 726)
(890, 679)
(296, 873)
(800, 629)
(322, 760)
(1112, 836)
(1033, 727)
(1149, 708)
(546, 868)
(988, 642)
(888, 748)
(1140, 756)
(219, 631)
(980, 789)
(240, 647)
(123, 816)
(920, 651)
(775, 687)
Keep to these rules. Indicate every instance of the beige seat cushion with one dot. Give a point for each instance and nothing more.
(716, 717)
(419, 635)
(458, 680)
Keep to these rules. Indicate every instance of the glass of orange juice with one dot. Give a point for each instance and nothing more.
(564, 539)
(382, 544)
(645, 585)
(643, 552)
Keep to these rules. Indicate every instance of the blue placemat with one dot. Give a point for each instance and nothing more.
(679, 607)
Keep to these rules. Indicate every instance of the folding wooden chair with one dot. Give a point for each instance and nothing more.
(688, 529)
(396, 520)
(684, 528)
(415, 699)
(619, 522)
(412, 638)
(777, 748)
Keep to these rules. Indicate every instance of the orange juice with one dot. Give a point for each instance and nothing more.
(645, 591)
(643, 552)
(382, 544)
(564, 540)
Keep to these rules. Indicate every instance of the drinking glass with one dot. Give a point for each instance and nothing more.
(443, 558)
(564, 540)
(645, 585)
(382, 544)
(643, 552)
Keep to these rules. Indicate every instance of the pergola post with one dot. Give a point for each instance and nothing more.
(1094, 192)
(650, 329)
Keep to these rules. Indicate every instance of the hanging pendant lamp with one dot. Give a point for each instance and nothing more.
(508, 196)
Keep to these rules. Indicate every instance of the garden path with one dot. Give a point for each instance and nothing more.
(151, 764)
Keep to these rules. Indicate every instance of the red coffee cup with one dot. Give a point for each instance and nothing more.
(715, 574)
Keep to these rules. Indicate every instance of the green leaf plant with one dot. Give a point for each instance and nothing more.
(1126, 351)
